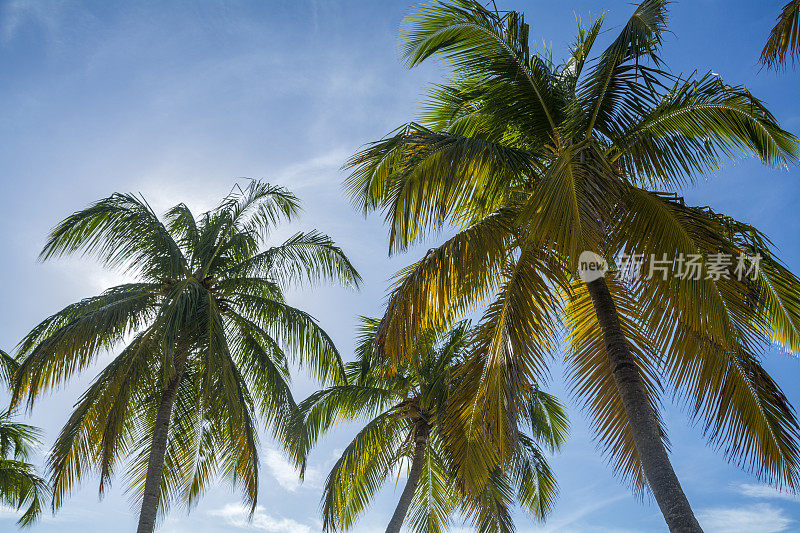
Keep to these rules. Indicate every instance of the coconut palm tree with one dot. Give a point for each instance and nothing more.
(406, 411)
(209, 336)
(536, 162)
(20, 486)
(784, 36)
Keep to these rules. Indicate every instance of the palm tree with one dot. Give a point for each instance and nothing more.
(784, 36)
(535, 162)
(406, 411)
(209, 340)
(20, 486)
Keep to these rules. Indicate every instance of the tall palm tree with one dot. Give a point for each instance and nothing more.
(209, 339)
(407, 410)
(784, 36)
(20, 486)
(535, 162)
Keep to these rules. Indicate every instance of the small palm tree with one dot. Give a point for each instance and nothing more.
(20, 486)
(407, 410)
(784, 37)
(209, 339)
(536, 162)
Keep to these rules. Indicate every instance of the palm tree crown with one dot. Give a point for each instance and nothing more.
(537, 161)
(20, 485)
(209, 338)
(407, 409)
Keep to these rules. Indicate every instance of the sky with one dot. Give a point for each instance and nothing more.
(176, 100)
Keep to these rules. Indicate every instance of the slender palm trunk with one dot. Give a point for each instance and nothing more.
(158, 449)
(641, 417)
(420, 443)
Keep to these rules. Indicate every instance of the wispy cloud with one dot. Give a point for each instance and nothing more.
(572, 521)
(236, 514)
(315, 171)
(760, 518)
(752, 490)
(287, 475)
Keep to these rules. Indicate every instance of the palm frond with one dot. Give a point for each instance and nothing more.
(593, 382)
(477, 42)
(21, 487)
(448, 282)
(303, 258)
(784, 37)
(122, 231)
(361, 470)
(70, 340)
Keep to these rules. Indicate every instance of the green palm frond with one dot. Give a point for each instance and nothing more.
(613, 79)
(434, 500)
(83, 442)
(447, 283)
(21, 487)
(698, 120)
(490, 511)
(8, 365)
(298, 332)
(477, 42)
(361, 471)
(515, 340)
(122, 231)
(581, 48)
(784, 36)
(70, 340)
(594, 385)
(426, 172)
(534, 479)
(416, 400)
(305, 257)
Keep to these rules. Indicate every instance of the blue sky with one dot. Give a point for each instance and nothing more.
(177, 99)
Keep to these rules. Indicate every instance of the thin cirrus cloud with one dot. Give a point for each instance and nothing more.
(238, 515)
(759, 518)
(753, 490)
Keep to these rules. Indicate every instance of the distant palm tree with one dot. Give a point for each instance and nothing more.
(784, 37)
(407, 410)
(20, 486)
(209, 337)
(536, 162)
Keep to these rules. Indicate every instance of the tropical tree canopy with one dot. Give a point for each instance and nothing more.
(20, 486)
(784, 37)
(207, 320)
(416, 400)
(535, 161)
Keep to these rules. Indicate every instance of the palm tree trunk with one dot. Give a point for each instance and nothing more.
(420, 443)
(641, 417)
(158, 449)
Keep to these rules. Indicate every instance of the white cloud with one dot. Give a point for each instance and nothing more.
(761, 518)
(573, 520)
(286, 474)
(314, 171)
(236, 514)
(765, 492)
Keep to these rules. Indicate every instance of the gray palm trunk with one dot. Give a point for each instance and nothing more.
(641, 417)
(420, 444)
(158, 448)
